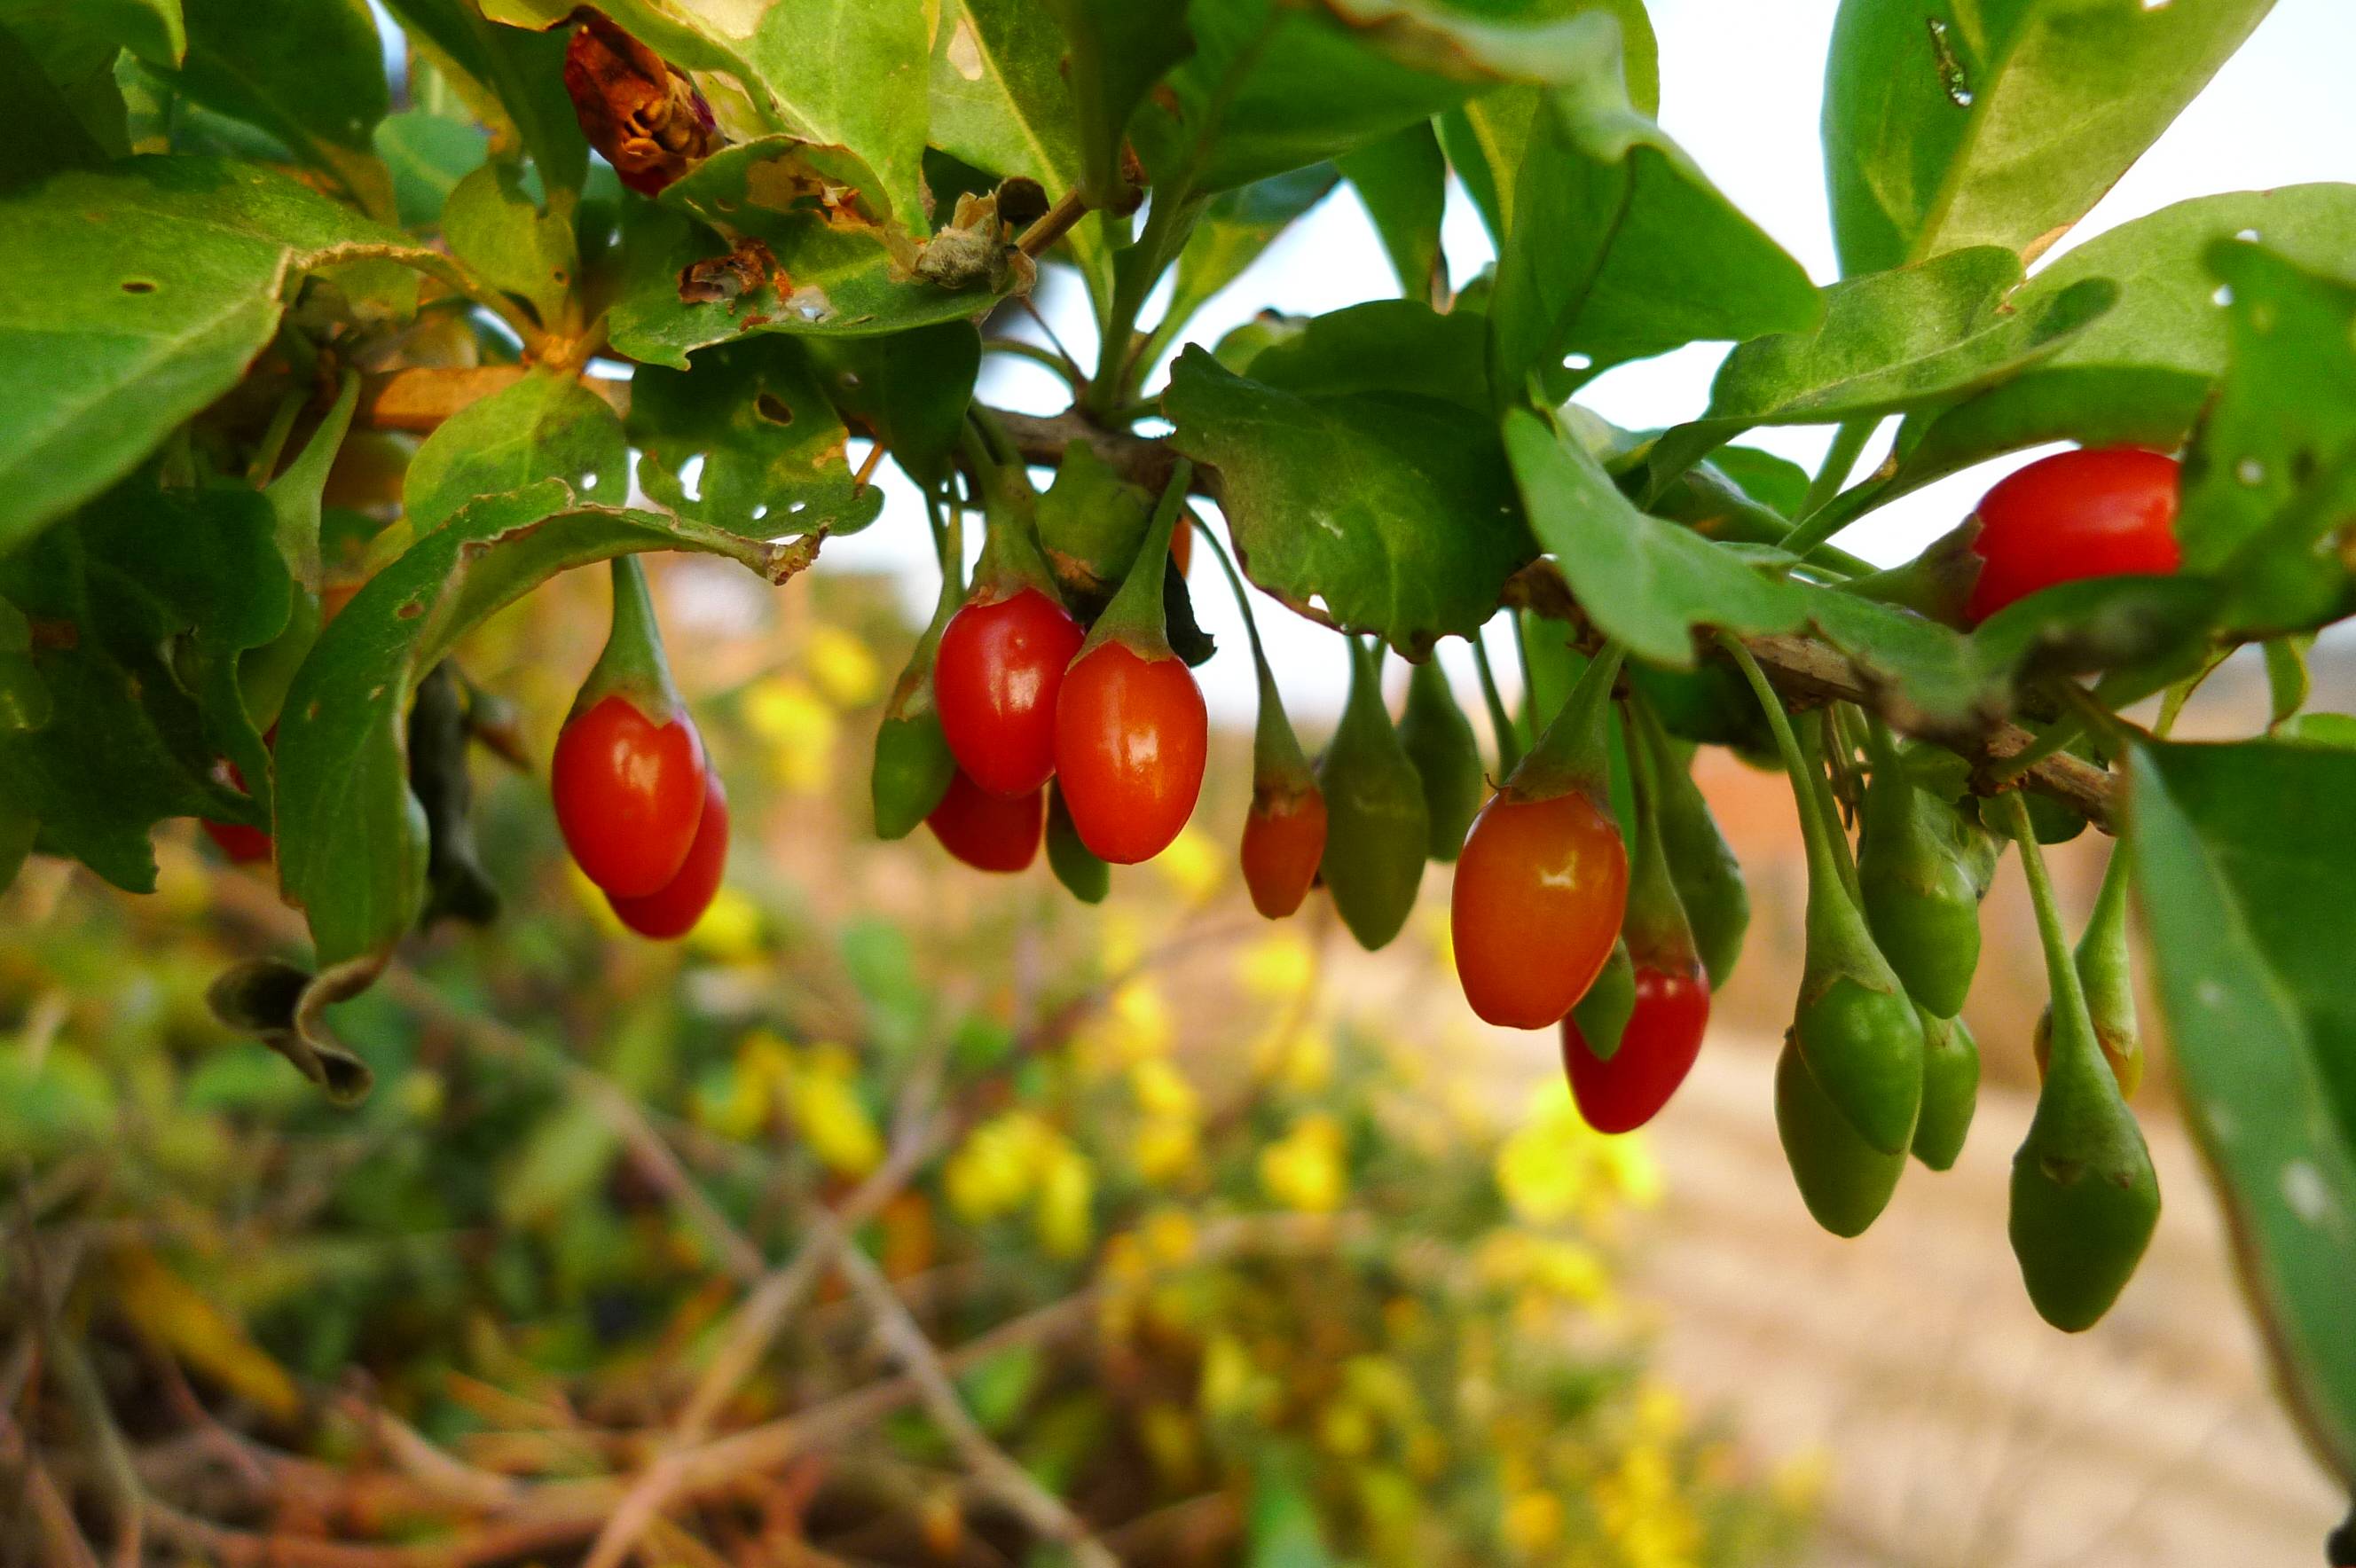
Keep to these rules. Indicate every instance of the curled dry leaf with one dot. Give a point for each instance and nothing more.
(635, 107)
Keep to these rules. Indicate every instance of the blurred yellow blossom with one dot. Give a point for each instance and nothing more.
(992, 1171)
(1166, 1148)
(1280, 964)
(842, 666)
(1161, 1089)
(592, 897)
(1799, 1482)
(1298, 1057)
(1303, 1170)
(1193, 864)
(799, 729)
(822, 1093)
(1555, 1166)
(1169, 1235)
(1065, 1223)
(1643, 1511)
(729, 929)
(1120, 941)
(1533, 1521)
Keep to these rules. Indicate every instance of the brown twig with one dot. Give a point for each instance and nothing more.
(1053, 224)
(1013, 1485)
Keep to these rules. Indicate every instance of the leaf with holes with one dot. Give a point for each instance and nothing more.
(545, 426)
(1391, 510)
(2139, 374)
(767, 449)
(132, 298)
(2271, 479)
(1888, 342)
(789, 268)
(2250, 929)
(1950, 123)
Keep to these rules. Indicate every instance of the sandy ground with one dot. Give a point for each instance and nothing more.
(1959, 1431)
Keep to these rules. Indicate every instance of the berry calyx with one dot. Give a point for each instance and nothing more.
(995, 682)
(2099, 512)
(1657, 1048)
(988, 832)
(672, 909)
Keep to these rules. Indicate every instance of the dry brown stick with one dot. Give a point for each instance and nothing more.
(43, 1502)
(1041, 1510)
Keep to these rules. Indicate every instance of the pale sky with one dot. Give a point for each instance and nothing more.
(1741, 87)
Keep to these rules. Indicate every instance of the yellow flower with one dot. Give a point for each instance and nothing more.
(841, 666)
(1556, 1167)
(1798, 1483)
(1066, 1221)
(1230, 1382)
(1193, 864)
(1138, 1022)
(1279, 965)
(728, 928)
(1166, 1149)
(993, 1171)
(1169, 1235)
(1300, 1059)
(1533, 1521)
(1162, 1091)
(822, 1097)
(1345, 1430)
(799, 729)
(1303, 1170)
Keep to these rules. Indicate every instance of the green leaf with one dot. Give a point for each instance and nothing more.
(1232, 231)
(511, 79)
(771, 450)
(351, 838)
(1888, 342)
(545, 426)
(2241, 865)
(133, 735)
(69, 38)
(1620, 248)
(1403, 181)
(310, 72)
(909, 391)
(1950, 123)
(2272, 474)
(2139, 373)
(1119, 50)
(511, 241)
(839, 279)
(851, 76)
(130, 300)
(1776, 483)
(1487, 139)
(23, 700)
(1090, 522)
(1393, 512)
(82, 119)
(1383, 345)
(427, 155)
(1274, 87)
(1644, 583)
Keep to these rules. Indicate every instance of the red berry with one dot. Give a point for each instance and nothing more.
(989, 832)
(1130, 739)
(1657, 1051)
(673, 909)
(1539, 892)
(242, 845)
(994, 681)
(1284, 843)
(629, 796)
(2103, 512)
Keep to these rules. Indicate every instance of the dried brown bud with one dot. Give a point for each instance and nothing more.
(637, 109)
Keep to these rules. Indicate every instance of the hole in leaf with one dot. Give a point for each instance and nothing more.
(690, 477)
(760, 511)
(589, 480)
(797, 508)
(2250, 471)
(2249, 235)
(772, 407)
(138, 286)
(2223, 296)
(1577, 362)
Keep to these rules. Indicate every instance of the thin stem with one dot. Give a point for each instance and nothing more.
(1236, 582)
(1818, 520)
(1814, 831)
(273, 439)
(1172, 213)
(2060, 966)
(1529, 677)
(1053, 224)
(1039, 353)
(1509, 734)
